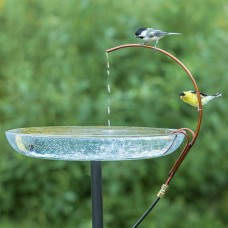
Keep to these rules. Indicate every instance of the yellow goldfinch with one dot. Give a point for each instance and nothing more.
(190, 97)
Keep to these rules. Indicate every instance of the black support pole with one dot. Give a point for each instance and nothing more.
(96, 194)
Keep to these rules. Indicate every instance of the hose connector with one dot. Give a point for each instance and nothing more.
(162, 191)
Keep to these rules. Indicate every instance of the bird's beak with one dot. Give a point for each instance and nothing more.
(182, 94)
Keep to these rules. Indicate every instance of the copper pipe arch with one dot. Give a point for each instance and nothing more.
(189, 143)
(200, 111)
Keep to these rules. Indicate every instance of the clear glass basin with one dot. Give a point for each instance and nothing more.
(93, 143)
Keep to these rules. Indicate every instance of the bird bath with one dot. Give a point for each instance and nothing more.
(94, 143)
(105, 143)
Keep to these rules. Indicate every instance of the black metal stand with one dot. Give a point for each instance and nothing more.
(96, 194)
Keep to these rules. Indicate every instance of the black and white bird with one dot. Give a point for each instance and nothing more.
(151, 34)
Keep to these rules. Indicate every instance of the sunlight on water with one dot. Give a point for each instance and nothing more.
(109, 90)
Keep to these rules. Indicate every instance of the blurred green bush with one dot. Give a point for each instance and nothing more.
(53, 72)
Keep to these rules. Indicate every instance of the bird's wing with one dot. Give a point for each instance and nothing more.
(150, 32)
(203, 95)
(160, 33)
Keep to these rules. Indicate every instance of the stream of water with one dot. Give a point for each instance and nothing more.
(109, 91)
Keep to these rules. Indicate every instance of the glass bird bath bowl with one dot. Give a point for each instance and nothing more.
(94, 143)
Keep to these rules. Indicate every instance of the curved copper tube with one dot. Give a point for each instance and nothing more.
(187, 129)
(181, 157)
(185, 69)
(189, 143)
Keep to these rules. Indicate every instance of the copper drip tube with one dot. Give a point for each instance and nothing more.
(185, 131)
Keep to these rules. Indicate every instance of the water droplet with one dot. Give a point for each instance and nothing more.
(109, 88)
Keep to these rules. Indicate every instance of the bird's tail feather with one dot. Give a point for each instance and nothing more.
(174, 33)
(218, 95)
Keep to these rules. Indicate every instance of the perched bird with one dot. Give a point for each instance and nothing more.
(191, 98)
(150, 34)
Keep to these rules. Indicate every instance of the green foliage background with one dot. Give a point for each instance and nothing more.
(53, 72)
